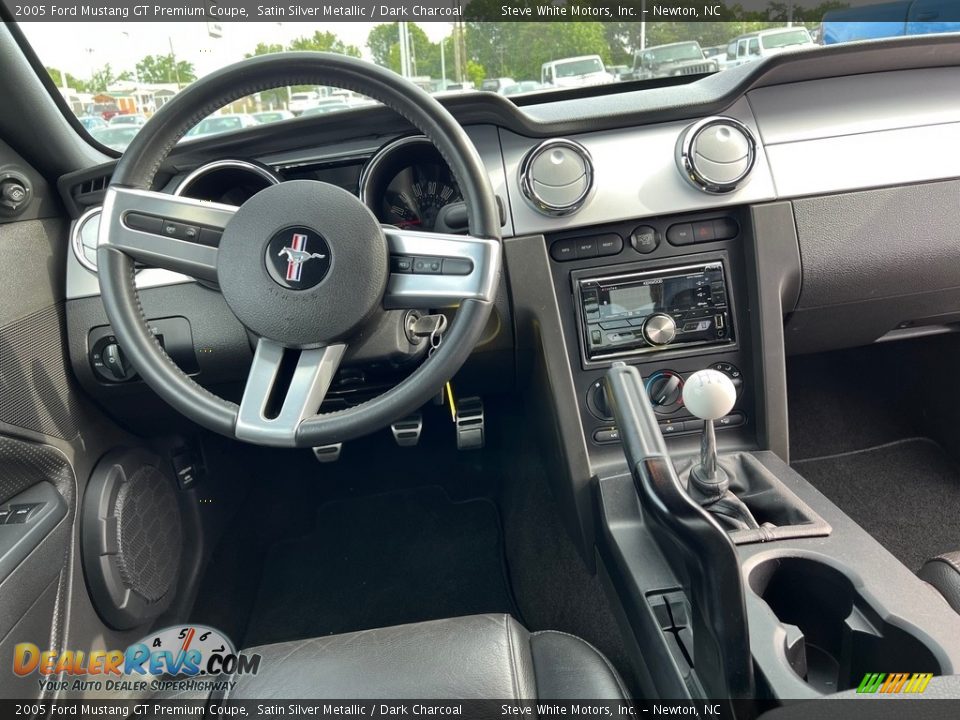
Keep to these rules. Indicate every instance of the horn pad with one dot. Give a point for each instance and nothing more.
(303, 263)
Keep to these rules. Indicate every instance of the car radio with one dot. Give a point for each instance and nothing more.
(644, 312)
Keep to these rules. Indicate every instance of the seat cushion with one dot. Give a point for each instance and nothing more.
(943, 572)
(473, 657)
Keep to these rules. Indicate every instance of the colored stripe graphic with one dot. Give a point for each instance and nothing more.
(894, 683)
(294, 268)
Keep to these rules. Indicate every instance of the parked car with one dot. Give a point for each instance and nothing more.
(680, 58)
(92, 122)
(216, 124)
(522, 87)
(765, 43)
(579, 71)
(269, 116)
(888, 19)
(116, 136)
(300, 101)
(497, 84)
(131, 120)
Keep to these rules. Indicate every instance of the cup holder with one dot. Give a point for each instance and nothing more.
(833, 637)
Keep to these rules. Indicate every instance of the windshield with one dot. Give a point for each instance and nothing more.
(106, 70)
(579, 67)
(784, 39)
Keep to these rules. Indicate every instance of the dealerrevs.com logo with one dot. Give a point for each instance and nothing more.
(179, 658)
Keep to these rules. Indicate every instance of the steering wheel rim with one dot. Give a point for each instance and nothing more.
(123, 240)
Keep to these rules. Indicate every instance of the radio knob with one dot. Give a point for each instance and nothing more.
(659, 329)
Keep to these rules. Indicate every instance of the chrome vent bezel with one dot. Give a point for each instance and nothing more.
(688, 167)
(526, 182)
(76, 242)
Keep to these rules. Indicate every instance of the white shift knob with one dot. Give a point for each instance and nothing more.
(709, 394)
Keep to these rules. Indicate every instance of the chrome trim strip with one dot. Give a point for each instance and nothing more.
(264, 172)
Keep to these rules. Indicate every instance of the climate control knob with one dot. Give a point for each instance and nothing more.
(665, 390)
(659, 329)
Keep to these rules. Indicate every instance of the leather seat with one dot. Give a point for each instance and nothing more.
(473, 657)
(943, 572)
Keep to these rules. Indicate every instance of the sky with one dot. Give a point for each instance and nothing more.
(80, 48)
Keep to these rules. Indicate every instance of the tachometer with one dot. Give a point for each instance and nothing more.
(407, 184)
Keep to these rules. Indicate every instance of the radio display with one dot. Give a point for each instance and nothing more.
(631, 300)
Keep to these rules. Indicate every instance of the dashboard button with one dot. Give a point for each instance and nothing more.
(704, 231)
(680, 234)
(586, 247)
(725, 228)
(645, 239)
(732, 420)
(457, 266)
(606, 435)
(671, 428)
(609, 244)
(692, 425)
(563, 250)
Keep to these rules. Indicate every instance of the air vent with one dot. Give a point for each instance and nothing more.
(91, 191)
(84, 239)
(716, 155)
(557, 176)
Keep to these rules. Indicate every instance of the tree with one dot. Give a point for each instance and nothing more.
(324, 42)
(156, 69)
(101, 79)
(74, 83)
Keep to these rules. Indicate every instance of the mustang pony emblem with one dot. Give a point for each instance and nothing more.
(297, 255)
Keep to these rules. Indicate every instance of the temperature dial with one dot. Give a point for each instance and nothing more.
(659, 329)
(665, 390)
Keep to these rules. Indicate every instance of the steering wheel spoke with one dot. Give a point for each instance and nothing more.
(164, 231)
(438, 270)
(284, 388)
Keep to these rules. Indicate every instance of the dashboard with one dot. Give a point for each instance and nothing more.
(727, 222)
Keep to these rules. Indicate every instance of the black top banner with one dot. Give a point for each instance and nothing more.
(927, 11)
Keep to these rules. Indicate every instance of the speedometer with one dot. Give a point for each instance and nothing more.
(408, 184)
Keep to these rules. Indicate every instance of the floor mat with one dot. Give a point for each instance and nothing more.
(383, 560)
(906, 494)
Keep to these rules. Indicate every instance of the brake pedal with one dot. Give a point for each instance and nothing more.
(407, 432)
(470, 423)
(328, 453)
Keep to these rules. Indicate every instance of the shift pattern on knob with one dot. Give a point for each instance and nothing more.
(709, 394)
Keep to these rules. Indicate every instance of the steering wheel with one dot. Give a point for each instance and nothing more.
(303, 265)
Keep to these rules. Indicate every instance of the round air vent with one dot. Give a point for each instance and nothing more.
(717, 154)
(84, 239)
(556, 177)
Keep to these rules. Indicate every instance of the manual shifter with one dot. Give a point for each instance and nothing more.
(710, 395)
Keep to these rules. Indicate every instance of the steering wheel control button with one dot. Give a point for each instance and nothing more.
(146, 223)
(457, 266)
(428, 265)
(401, 264)
(645, 239)
(298, 258)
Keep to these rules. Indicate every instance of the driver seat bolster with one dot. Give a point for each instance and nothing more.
(473, 657)
(943, 572)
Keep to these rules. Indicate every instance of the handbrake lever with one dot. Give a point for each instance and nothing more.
(721, 637)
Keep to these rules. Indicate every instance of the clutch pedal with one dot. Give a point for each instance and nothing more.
(328, 453)
(470, 424)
